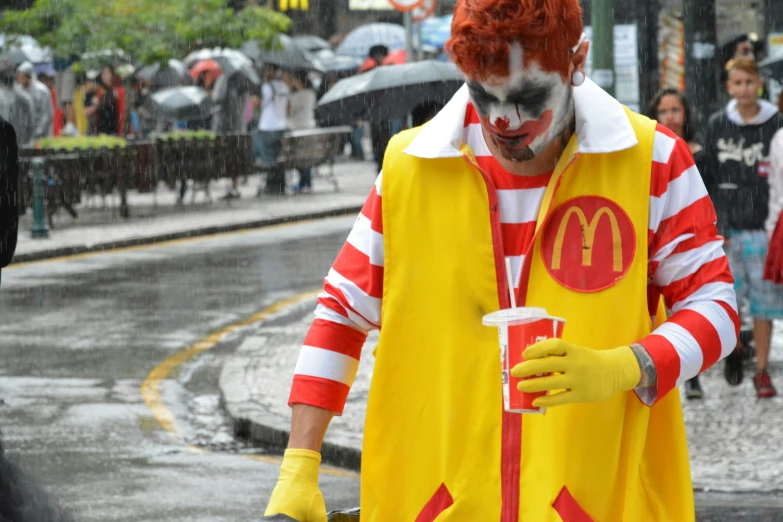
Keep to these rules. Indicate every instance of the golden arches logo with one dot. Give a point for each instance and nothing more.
(302, 5)
(588, 235)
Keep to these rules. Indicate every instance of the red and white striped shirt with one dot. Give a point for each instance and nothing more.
(687, 266)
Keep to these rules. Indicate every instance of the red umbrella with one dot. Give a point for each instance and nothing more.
(209, 68)
(396, 58)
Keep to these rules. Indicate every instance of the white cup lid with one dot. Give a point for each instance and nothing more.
(521, 315)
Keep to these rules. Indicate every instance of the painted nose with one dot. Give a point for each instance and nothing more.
(505, 117)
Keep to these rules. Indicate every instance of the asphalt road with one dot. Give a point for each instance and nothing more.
(79, 336)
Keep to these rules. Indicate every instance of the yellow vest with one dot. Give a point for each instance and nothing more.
(437, 444)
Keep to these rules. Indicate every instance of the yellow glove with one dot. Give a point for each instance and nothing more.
(296, 493)
(585, 375)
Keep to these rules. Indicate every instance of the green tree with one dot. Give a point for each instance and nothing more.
(148, 30)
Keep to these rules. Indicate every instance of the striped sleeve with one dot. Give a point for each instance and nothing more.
(688, 267)
(347, 309)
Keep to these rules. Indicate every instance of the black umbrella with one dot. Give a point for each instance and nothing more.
(182, 103)
(329, 61)
(174, 74)
(310, 42)
(389, 92)
(284, 53)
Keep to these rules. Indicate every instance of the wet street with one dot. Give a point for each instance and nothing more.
(79, 336)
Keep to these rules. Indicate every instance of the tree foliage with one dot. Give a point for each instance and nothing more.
(148, 30)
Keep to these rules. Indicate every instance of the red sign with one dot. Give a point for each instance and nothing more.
(588, 244)
(405, 5)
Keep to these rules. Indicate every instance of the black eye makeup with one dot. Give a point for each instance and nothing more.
(477, 92)
(532, 99)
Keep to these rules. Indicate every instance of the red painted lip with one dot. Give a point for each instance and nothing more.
(530, 129)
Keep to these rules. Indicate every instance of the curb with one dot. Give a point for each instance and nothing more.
(276, 438)
(207, 231)
(252, 423)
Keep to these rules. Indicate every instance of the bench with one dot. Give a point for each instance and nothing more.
(310, 148)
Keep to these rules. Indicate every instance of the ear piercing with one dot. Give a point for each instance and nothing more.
(578, 78)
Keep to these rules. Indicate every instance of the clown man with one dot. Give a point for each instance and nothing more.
(602, 215)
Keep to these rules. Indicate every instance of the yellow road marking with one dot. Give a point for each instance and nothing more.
(166, 243)
(150, 388)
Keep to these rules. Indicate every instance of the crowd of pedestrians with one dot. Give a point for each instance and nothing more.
(740, 157)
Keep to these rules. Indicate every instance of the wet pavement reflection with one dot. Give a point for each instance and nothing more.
(77, 338)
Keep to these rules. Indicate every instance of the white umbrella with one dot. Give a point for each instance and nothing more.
(359, 41)
(24, 48)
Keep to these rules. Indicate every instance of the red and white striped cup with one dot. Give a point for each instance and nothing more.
(519, 328)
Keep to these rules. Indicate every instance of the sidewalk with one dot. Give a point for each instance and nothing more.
(734, 440)
(156, 218)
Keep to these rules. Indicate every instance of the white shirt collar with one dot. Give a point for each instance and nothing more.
(767, 111)
(602, 125)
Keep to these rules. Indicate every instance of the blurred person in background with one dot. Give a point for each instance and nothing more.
(9, 194)
(737, 146)
(105, 106)
(46, 74)
(272, 123)
(672, 110)
(357, 131)
(773, 270)
(78, 123)
(206, 81)
(302, 117)
(15, 106)
(380, 131)
(43, 113)
(747, 46)
(375, 58)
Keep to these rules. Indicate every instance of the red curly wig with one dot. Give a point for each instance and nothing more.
(483, 31)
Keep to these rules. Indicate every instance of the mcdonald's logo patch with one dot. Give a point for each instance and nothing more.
(588, 243)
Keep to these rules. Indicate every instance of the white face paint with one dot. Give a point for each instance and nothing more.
(524, 113)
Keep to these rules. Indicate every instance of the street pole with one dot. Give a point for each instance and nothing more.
(647, 38)
(602, 14)
(773, 16)
(40, 228)
(701, 67)
(409, 51)
(326, 23)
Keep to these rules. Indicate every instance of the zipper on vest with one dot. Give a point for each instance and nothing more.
(524, 276)
(511, 438)
(511, 443)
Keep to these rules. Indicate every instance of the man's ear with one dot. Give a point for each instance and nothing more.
(579, 59)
